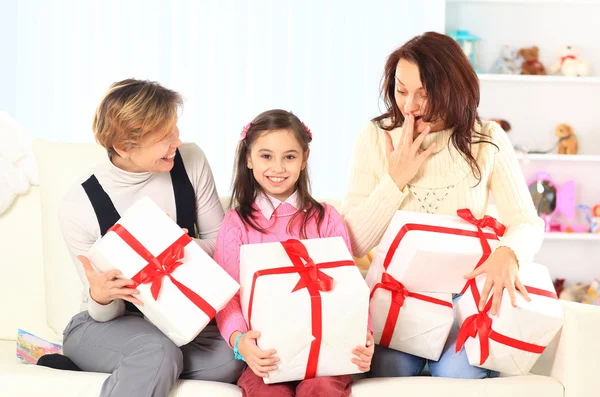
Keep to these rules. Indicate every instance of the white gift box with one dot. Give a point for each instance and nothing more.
(535, 323)
(172, 312)
(448, 248)
(420, 327)
(284, 317)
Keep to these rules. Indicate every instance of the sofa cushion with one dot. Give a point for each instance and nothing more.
(22, 300)
(60, 166)
(516, 386)
(18, 379)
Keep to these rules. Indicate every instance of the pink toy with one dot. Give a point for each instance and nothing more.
(550, 199)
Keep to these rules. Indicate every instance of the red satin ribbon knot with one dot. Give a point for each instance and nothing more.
(480, 324)
(399, 294)
(315, 281)
(162, 266)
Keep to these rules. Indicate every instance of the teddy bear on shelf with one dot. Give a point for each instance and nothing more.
(567, 140)
(569, 64)
(531, 63)
(575, 292)
(509, 61)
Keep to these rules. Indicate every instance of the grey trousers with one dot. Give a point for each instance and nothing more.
(142, 361)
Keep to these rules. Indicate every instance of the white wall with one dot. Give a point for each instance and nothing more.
(8, 56)
(230, 59)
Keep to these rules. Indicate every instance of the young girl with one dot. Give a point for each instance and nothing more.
(272, 192)
(429, 152)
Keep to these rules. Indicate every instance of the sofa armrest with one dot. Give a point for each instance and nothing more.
(571, 358)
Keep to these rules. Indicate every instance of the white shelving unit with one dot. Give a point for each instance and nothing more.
(578, 158)
(572, 236)
(534, 105)
(517, 78)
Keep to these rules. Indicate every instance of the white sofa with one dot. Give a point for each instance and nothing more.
(39, 292)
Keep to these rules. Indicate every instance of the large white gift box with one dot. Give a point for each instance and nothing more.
(180, 285)
(416, 246)
(512, 341)
(309, 302)
(414, 323)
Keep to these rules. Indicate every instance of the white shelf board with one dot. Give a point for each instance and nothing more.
(526, 2)
(572, 236)
(561, 157)
(518, 78)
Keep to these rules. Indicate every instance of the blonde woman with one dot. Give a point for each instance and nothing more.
(136, 122)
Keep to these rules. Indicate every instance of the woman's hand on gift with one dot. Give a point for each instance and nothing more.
(502, 271)
(106, 287)
(406, 158)
(261, 362)
(364, 354)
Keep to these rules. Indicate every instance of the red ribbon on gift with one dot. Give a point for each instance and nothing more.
(399, 294)
(315, 281)
(162, 266)
(467, 215)
(480, 324)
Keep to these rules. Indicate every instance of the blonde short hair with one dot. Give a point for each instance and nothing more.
(133, 109)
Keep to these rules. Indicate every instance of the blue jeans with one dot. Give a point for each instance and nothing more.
(393, 363)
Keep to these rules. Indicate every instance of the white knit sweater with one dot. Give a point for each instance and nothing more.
(443, 184)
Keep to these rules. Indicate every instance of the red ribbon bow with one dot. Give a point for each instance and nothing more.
(467, 215)
(399, 294)
(486, 221)
(162, 266)
(313, 277)
(480, 324)
(315, 281)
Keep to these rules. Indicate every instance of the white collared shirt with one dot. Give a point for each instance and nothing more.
(268, 204)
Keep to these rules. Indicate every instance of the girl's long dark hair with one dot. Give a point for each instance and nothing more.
(245, 186)
(452, 87)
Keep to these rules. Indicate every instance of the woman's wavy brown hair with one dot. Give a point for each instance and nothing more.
(452, 88)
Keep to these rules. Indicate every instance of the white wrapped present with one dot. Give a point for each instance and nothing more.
(414, 323)
(309, 302)
(512, 341)
(180, 285)
(416, 246)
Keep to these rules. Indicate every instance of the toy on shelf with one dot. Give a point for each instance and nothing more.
(569, 63)
(469, 44)
(531, 63)
(551, 199)
(509, 61)
(592, 295)
(502, 123)
(559, 285)
(575, 292)
(595, 219)
(567, 140)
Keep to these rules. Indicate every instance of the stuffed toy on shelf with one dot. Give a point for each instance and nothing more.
(567, 140)
(569, 63)
(531, 61)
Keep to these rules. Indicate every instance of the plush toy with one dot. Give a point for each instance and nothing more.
(509, 61)
(531, 63)
(569, 64)
(559, 285)
(592, 296)
(502, 123)
(567, 142)
(595, 220)
(575, 292)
